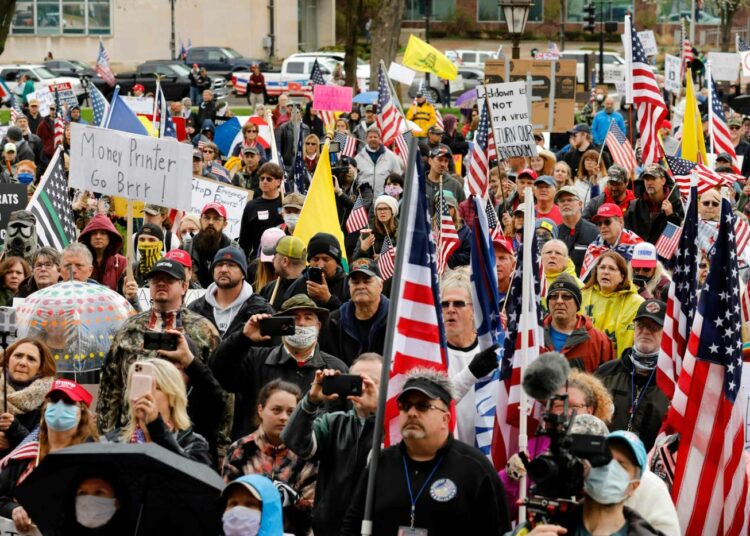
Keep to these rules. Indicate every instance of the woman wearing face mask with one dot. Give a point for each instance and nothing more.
(384, 224)
(190, 225)
(13, 270)
(30, 372)
(66, 421)
(253, 508)
(394, 186)
(263, 452)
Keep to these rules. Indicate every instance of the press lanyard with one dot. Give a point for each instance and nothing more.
(636, 401)
(412, 498)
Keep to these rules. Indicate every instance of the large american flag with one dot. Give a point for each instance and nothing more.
(316, 79)
(707, 178)
(220, 171)
(447, 236)
(648, 100)
(357, 217)
(721, 142)
(710, 483)
(687, 48)
(390, 119)
(419, 340)
(102, 66)
(620, 148)
(50, 205)
(708, 232)
(387, 258)
(624, 247)
(99, 104)
(477, 178)
(15, 109)
(299, 172)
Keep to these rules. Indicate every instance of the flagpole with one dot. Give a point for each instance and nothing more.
(377, 433)
(609, 127)
(711, 134)
(112, 103)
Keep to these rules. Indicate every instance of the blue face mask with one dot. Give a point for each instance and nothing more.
(25, 177)
(607, 484)
(60, 416)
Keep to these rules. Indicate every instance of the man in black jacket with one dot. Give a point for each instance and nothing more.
(208, 241)
(658, 203)
(358, 326)
(340, 442)
(262, 212)
(241, 366)
(576, 232)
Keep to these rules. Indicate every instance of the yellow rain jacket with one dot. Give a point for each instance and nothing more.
(424, 116)
(613, 314)
(550, 277)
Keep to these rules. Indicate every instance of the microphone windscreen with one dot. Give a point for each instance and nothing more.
(546, 375)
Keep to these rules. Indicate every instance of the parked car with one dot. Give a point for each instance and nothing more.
(76, 69)
(468, 78)
(224, 60)
(614, 65)
(174, 80)
(470, 58)
(40, 75)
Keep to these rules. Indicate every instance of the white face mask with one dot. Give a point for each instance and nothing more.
(186, 237)
(93, 512)
(241, 521)
(291, 220)
(304, 337)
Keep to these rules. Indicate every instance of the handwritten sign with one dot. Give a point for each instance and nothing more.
(649, 42)
(128, 165)
(45, 99)
(511, 122)
(724, 65)
(144, 300)
(231, 197)
(672, 78)
(140, 105)
(12, 197)
(332, 98)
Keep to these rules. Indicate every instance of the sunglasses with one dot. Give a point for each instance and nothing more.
(421, 407)
(458, 304)
(251, 131)
(310, 143)
(266, 178)
(710, 203)
(603, 223)
(642, 270)
(703, 266)
(564, 296)
(209, 151)
(734, 128)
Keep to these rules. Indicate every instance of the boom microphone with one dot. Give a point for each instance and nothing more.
(546, 375)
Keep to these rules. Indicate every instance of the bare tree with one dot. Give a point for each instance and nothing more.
(353, 26)
(7, 12)
(386, 29)
(727, 9)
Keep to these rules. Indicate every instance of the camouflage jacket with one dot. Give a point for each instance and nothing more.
(127, 347)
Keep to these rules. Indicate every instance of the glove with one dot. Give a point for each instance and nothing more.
(288, 495)
(484, 362)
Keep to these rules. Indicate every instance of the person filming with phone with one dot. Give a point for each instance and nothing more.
(242, 366)
(324, 280)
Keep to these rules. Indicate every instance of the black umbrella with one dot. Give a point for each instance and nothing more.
(168, 493)
(740, 104)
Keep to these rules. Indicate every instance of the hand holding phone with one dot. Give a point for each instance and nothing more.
(343, 385)
(315, 274)
(157, 340)
(143, 380)
(277, 326)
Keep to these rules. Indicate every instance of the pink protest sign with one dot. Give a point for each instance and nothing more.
(332, 98)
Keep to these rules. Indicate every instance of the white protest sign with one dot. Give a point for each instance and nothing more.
(649, 42)
(140, 105)
(45, 98)
(8, 528)
(743, 401)
(232, 198)
(144, 299)
(402, 74)
(672, 78)
(745, 62)
(511, 123)
(128, 165)
(724, 65)
(65, 93)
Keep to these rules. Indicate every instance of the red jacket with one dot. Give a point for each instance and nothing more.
(586, 347)
(113, 264)
(624, 204)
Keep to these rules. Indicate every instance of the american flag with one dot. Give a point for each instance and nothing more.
(299, 172)
(99, 104)
(15, 109)
(721, 142)
(687, 48)
(162, 119)
(667, 242)
(348, 143)
(401, 149)
(620, 148)
(102, 66)
(742, 45)
(316, 79)
(477, 178)
(220, 171)
(648, 100)
(59, 122)
(27, 449)
(707, 178)
(495, 228)
(357, 217)
(708, 232)
(624, 247)
(390, 119)
(386, 259)
(710, 483)
(745, 299)
(419, 340)
(447, 236)
(486, 300)
(50, 205)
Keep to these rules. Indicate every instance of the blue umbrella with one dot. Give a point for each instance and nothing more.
(366, 97)
(225, 133)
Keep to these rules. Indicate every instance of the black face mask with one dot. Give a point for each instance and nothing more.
(640, 280)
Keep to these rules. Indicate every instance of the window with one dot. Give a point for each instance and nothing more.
(490, 11)
(440, 9)
(295, 67)
(63, 17)
(675, 10)
(614, 11)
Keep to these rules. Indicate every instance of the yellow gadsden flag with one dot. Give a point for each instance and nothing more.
(693, 144)
(319, 214)
(425, 58)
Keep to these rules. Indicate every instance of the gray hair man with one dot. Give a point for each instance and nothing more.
(77, 263)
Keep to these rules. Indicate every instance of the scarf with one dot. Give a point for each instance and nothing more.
(150, 253)
(161, 321)
(27, 398)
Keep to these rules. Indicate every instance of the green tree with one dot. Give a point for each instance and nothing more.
(726, 10)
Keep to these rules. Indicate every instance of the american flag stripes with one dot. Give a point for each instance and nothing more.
(648, 100)
(28, 448)
(624, 247)
(419, 339)
(390, 119)
(357, 217)
(721, 142)
(220, 171)
(745, 301)
(99, 105)
(620, 148)
(316, 79)
(299, 172)
(386, 259)
(495, 228)
(687, 48)
(59, 122)
(50, 205)
(401, 149)
(667, 242)
(15, 109)
(348, 143)
(477, 177)
(709, 230)
(707, 178)
(447, 236)
(102, 66)
(710, 485)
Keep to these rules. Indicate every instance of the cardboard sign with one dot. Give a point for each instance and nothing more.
(144, 299)
(565, 88)
(402, 74)
(12, 197)
(724, 65)
(332, 98)
(509, 115)
(672, 77)
(132, 166)
(649, 42)
(140, 105)
(233, 198)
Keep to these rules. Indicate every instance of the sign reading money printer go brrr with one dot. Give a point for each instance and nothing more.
(111, 162)
(509, 115)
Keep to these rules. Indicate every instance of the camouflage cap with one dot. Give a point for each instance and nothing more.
(588, 424)
(302, 301)
(23, 215)
(617, 173)
(653, 170)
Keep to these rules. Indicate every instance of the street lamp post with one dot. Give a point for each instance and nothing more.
(172, 43)
(516, 14)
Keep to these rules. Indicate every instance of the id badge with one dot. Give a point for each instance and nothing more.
(408, 531)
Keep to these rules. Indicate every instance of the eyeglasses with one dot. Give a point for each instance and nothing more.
(604, 223)
(458, 304)
(710, 203)
(310, 143)
(734, 128)
(209, 151)
(251, 130)
(564, 296)
(266, 178)
(45, 265)
(421, 407)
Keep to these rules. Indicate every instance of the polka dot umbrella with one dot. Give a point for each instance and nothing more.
(78, 322)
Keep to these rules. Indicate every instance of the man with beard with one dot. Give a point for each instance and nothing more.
(208, 241)
(658, 204)
(576, 232)
(580, 142)
(615, 192)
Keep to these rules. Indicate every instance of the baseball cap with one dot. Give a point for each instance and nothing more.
(589, 425)
(268, 241)
(580, 127)
(365, 266)
(75, 391)
(607, 210)
(219, 208)
(302, 301)
(724, 157)
(666, 124)
(652, 170)
(369, 108)
(567, 190)
(250, 149)
(181, 256)
(233, 254)
(652, 309)
(735, 122)
(644, 256)
(434, 129)
(503, 243)
(197, 154)
(289, 246)
(545, 179)
(139, 87)
(633, 442)
(419, 94)
(169, 267)
(547, 224)
(617, 173)
(528, 171)
(247, 485)
(441, 150)
(9, 147)
(426, 387)
(152, 209)
(294, 200)
(150, 229)
(33, 102)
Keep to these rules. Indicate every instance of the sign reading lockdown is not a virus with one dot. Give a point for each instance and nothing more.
(509, 115)
(111, 162)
